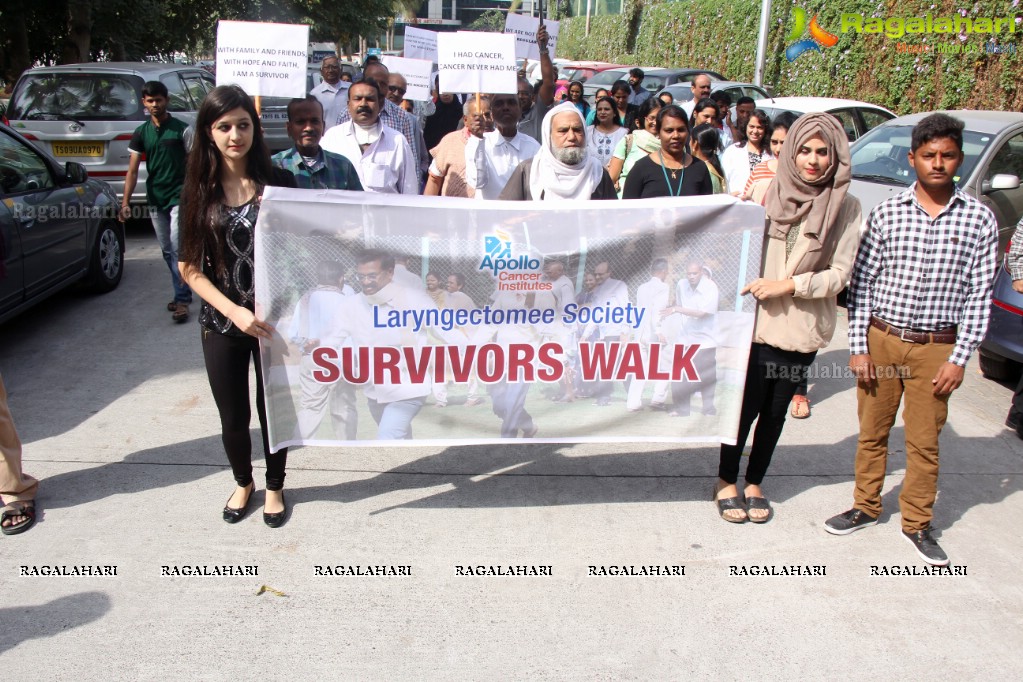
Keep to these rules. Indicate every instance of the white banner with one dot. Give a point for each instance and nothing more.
(476, 62)
(586, 321)
(524, 29)
(417, 73)
(420, 44)
(245, 57)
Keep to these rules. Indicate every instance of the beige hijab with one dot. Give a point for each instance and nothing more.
(791, 199)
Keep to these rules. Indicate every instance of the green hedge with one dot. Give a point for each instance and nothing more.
(722, 34)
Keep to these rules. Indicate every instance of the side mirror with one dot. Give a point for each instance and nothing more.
(1000, 181)
(76, 173)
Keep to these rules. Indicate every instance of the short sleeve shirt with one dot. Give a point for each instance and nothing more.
(165, 147)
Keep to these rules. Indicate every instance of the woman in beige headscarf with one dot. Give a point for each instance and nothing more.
(810, 245)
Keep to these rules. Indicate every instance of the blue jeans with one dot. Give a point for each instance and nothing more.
(394, 420)
(165, 224)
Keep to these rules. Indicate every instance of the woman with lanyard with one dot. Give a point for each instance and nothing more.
(636, 145)
(603, 136)
(228, 168)
(741, 158)
(812, 236)
(671, 171)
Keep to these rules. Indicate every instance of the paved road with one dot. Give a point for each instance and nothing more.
(112, 403)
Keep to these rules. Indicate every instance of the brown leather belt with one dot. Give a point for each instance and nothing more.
(947, 335)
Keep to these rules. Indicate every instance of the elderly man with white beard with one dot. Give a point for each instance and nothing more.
(563, 168)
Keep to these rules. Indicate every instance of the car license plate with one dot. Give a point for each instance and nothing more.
(78, 148)
(273, 116)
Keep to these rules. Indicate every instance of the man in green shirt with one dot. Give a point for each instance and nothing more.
(313, 166)
(164, 141)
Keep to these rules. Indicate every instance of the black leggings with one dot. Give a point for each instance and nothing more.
(771, 380)
(227, 366)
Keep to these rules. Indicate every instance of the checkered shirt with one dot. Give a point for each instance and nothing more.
(329, 171)
(1015, 259)
(925, 275)
(393, 116)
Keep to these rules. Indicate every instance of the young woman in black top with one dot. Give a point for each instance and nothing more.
(228, 167)
(670, 171)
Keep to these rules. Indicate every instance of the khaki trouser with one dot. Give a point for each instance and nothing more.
(14, 484)
(904, 369)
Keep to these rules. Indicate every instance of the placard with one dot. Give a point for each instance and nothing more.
(264, 59)
(524, 29)
(417, 73)
(476, 62)
(420, 44)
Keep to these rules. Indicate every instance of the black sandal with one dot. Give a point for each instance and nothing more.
(25, 509)
(728, 504)
(759, 503)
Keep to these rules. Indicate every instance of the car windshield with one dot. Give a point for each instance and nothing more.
(81, 96)
(607, 78)
(881, 155)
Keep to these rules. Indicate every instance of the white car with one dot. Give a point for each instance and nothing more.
(856, 117)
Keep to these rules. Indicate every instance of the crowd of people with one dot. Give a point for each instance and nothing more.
(629, 145)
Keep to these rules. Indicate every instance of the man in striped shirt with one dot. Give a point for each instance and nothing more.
(918, 307)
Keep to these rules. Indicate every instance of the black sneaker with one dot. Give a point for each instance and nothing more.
(849, 522)
(927, 547)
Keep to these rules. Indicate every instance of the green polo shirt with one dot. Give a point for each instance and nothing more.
(165, 148)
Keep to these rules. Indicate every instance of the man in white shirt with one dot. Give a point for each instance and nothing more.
(332, 92)
(697, 298)
(393, 404)
(491, 157)
(652, 298)
(391, 115)
(558, 331)
(311, 327)
(456, 299)
(701, 90)
(380, 154)
(614, 293)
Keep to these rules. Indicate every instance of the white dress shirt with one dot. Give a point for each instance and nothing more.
(705, 298)
(387, 165)
(652, 296)
(490, 162)
(334, 99)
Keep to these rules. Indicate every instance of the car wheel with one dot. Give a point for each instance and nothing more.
(997, 368)
(107, 264)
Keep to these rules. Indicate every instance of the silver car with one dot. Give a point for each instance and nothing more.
(57, 227)
(273, 111)
(87, 113)
(991, 170)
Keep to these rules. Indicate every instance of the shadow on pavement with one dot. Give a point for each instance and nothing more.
(21, 623)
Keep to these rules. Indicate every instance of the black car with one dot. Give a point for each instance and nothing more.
(57, 227)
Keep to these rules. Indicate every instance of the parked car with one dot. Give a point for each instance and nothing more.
(87, 113)
(654, 78)
(1001, 352)
(57, 227)
(856, 117)
(991, 172)
(273, 111)
(683, 92)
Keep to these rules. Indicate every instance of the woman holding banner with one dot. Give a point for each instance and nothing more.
(810, 245)
(228, 168)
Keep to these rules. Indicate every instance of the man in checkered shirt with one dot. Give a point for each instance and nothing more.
(918, 307)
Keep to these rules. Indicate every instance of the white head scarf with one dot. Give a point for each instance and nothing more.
(553, 180)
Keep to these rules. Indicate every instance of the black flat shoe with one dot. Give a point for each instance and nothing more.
(276, 520)
(232, 515)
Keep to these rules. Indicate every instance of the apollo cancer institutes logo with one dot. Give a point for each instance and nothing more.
(959, 26)
(522, 273)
